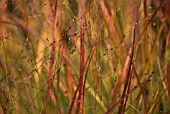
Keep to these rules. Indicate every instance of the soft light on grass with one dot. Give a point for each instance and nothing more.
(84, 56)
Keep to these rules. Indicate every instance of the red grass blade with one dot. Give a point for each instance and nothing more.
(118, 102)
(110, 24)
(49, 84)
(158, 101)
(122, 76)
(150, 20)
(80, 95)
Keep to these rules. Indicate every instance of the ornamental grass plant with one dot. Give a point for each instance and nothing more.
(84, 57)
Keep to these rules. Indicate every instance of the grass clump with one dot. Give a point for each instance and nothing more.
(77, 56)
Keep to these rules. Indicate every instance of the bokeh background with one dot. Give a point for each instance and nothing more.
(119, 48)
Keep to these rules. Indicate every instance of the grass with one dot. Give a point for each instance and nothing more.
(84, 56)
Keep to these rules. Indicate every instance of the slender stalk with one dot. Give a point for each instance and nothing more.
(82, 40)
(6, 71)
(121, 78)
(150, 20)
(50, 73)
(126, 95)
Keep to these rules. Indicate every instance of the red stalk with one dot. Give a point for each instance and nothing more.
(80, 95)
(80, 84)
(150, 20)
(122, 76)
(143, 84)
(50, 73)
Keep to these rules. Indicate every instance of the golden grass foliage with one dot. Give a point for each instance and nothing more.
(84, 56)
